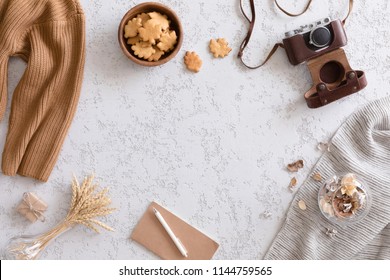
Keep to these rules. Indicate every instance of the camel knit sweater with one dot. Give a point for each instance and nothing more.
(50, 36)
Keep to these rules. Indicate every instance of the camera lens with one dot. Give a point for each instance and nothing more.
(320, 37)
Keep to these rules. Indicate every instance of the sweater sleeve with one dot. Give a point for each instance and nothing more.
(45, 100)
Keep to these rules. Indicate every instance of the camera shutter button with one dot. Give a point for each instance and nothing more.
(320, 37)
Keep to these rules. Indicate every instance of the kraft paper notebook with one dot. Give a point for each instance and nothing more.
(150, 233)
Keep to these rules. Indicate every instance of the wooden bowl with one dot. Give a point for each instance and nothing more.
(148, 7)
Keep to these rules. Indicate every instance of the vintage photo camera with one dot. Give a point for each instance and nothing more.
(319, 44)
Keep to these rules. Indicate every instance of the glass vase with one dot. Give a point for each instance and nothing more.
(30, 247)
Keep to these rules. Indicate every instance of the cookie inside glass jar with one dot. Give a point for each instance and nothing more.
(344, 199)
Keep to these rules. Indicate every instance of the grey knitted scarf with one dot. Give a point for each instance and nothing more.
(361, 146)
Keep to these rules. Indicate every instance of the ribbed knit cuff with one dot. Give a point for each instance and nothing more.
(361, 146)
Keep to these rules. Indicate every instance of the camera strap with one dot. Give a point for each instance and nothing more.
(290, 14)
(252, 20)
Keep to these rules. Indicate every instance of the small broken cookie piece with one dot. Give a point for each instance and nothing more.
(219, 47)
(293, 183)
(295, 166)
(302, 205)
(143, 49)
(192, 61)
(167, 41)
(157, 55)
(159, 19)
(317, 177)
(150, 32)
(132, 26)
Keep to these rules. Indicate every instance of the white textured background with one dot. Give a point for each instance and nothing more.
(213, 146)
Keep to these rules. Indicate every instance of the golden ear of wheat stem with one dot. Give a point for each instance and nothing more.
(103, 225)
(86, 204)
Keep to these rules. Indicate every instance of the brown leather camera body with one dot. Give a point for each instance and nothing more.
(298, 51)
(333, 77)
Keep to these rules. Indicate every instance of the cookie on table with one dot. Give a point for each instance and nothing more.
(219, 47)
(192, 61)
